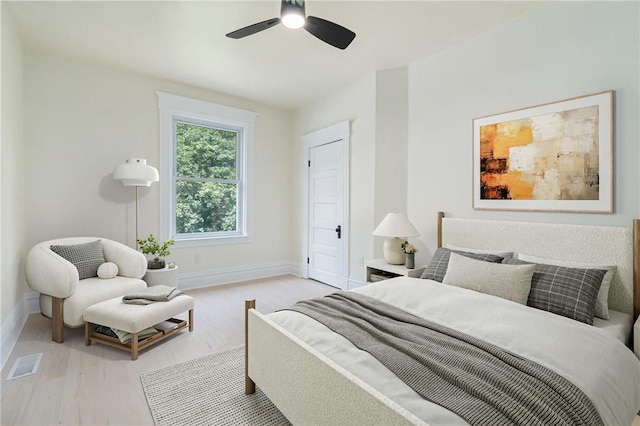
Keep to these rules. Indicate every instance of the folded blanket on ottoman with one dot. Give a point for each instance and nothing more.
(156, 293)
(124, 336)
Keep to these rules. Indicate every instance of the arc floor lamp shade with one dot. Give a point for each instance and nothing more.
(136, 172)
(398, 227)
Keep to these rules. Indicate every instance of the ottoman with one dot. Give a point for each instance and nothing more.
(135, 318)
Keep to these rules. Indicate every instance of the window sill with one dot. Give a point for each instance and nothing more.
(211, 241)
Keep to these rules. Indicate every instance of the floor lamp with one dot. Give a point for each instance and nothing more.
(136, 172)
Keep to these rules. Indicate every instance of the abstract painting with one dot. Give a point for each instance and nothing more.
(552, 157)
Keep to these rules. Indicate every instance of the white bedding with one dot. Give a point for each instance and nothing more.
(598, 363)
(619, 325)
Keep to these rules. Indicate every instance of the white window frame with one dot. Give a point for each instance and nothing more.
(178, 108)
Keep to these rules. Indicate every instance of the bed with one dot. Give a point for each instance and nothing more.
(315, 376)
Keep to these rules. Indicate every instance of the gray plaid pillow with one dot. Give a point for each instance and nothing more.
(570, 292)
(437, 268)
(87, 257)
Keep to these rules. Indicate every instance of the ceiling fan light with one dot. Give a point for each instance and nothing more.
(292, 19)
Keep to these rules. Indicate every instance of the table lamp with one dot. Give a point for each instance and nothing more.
(398, 227)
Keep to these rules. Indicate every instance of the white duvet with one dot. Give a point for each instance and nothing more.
(604, 368)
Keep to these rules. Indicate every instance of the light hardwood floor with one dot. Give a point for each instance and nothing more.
(81, 385)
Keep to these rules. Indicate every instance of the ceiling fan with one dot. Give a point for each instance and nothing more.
(292, 15)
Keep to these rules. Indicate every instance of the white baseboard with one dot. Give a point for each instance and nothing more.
(354, 283)
(32, 302)
(216, 277)
(12, 327)
(299, 270)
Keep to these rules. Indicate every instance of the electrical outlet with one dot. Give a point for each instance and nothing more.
(361, 260)
(196, 259)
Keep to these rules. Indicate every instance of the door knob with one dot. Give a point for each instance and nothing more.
(339, 231)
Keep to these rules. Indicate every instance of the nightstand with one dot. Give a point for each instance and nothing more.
(378, 270)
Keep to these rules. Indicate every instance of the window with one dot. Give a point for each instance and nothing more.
(205, 184)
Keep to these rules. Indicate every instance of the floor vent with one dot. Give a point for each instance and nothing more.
(25, 366)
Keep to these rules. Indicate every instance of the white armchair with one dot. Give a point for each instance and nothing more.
(64, 296)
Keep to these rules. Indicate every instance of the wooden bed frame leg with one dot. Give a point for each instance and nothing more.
(636, 275)
(440, 216)
(190, 319)
(57, 319)
(636, 268)
(249, 385)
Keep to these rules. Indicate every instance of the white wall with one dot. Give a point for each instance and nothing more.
(376, 106)
(84, 120)
(12, 208)
(392, 105)
(355, 103)
(557, 51)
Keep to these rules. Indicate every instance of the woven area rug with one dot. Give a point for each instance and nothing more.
(207, 391)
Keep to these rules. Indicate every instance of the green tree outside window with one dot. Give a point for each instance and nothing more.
(206, 179)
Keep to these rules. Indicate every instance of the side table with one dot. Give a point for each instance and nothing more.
(165, 276)
(378, 269)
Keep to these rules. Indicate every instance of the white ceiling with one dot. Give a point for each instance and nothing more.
(185, 41)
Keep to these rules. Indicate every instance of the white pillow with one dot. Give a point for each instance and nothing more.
(107, 270)
(503, 253)
(602, 301)
(511, 282)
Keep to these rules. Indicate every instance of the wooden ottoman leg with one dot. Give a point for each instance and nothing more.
(134, 346)
(190, 319)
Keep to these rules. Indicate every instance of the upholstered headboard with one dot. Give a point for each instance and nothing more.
(604, 245)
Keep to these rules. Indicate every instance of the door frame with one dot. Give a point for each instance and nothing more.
(335, 133)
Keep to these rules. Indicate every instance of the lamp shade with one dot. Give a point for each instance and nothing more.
(136, 172)
(395, 225)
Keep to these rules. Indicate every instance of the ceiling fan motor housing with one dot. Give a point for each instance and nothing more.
(292, 6)
(292, 14)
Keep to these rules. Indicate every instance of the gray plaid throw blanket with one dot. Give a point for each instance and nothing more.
(480, 382)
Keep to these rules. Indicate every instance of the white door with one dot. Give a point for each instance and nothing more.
(326, 238)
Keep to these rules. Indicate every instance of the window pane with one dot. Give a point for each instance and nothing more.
(205, 152)
(205, 207)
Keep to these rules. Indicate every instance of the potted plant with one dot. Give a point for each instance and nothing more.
(410, 252)
(152, 247)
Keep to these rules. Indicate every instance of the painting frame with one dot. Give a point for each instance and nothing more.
(558, 110)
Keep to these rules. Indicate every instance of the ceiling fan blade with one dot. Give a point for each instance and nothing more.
(255, 28)
(329, 32)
